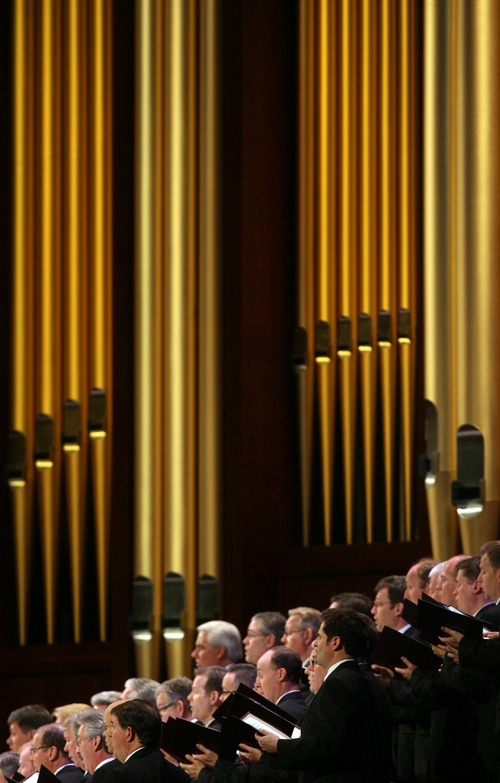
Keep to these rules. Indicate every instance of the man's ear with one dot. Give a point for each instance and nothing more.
(477, 587)
(281, 673)
(214, 697)
(308, 636)
(398, 608)
(221, 652)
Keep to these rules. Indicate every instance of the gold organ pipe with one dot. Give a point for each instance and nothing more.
(100, 265)
(367, 242)
(306, 233)
(180, 474)
(76, 291)
(439, 343)
(22, 287)
(147, 472)
(348, 251)
(406, 251)
(209, 328)
(325, 283)
(387, 246)
(477, 166)
(48, 303)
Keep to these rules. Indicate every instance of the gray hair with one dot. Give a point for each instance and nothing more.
(9, 762)
(220, 632)
(105, 697)
(271, 623)
(176, 689)
(93, 722)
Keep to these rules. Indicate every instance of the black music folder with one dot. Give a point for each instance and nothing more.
(180, 737)
(433, 617)
(392, 645)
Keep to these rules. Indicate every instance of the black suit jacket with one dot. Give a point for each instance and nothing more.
(295, 704)
(490, 613)
(346, 732)
(70, 774)
(102, 772)
(147, 766)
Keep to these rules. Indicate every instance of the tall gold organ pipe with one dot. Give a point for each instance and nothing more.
(325, 284)
(478, 245)
(48, 301)
(367, 242)
(306, 244)
(406, 252)
(147, 561)
(22, 299)
(180, 474)
(386, 292)
(439, 278)
(209, 292)
(347, 303)
(100, 265)
(75, 299)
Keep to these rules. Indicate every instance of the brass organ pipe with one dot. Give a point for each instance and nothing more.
(325, 295)
(348, 251)
(22, 289)
(306, 233)
(100, 264)
(179, 304)
(209, 329)
(48, 300)
(147, 472)
(477, 247)
(387, 247)
(367, 242)
(406, 242)
(76, 291)
(439, 277)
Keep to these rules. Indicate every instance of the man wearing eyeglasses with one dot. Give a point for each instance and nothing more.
(92, 747)
(265, 630)
(172, 698)
(48, 750)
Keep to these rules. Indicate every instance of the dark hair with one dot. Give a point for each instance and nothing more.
(143, 719)
(471, 568)
(30, 717)
(285, 658)
(356, 631)
(396, 588)
(357, 601)
(53, 735)
(492, 550)
(214, 675)
(243, 672)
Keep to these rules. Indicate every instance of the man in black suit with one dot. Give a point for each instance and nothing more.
(91, 746)
(346, 732)
(279, 673)
(48, 749)
(135, 730)
(469, 596)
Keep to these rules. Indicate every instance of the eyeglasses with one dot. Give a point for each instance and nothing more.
(381, 603)
(167, 706)
(226, 693)
(40, 747)
(253, 635)
(79, 741)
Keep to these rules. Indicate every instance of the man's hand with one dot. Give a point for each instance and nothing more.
(250, 753)
(193, 767)
(383, 674)
(408, 670)
(268, 742)
(207, 757)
